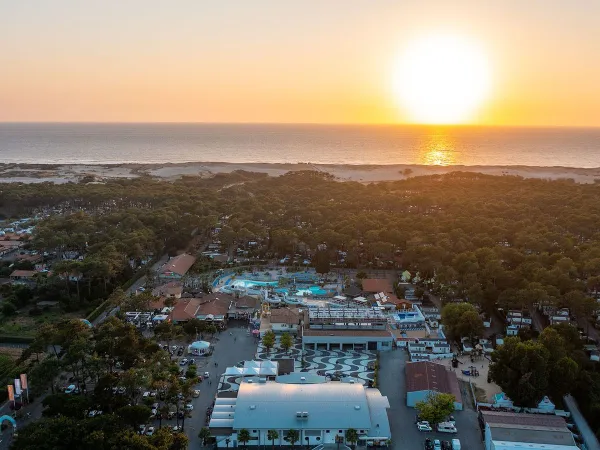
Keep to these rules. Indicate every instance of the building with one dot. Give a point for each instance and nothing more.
(320, 412)
(286, 320)
(185, 310)
(244, 307)
(377, 285)
(425, 378)
(515, 431)
(176, 267)
(23, 276)
(346, 329)
(173, 289)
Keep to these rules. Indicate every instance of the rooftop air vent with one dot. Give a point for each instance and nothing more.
(299, 414)
(252, 406)
(351, 381)
(302, 378)
(249, 381)
(357, 407)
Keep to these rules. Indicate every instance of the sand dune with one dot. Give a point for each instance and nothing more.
(361, 173)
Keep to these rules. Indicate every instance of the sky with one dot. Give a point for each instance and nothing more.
(309, 61)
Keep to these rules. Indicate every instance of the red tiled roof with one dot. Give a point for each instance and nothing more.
(23, 273)
(285, 315)
(179, 264)
(377, 285)
(428, 376)
(185, 309)
(170, 289)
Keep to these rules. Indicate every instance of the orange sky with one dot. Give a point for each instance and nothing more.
(273, 61)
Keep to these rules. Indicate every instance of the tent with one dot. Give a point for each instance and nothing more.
(233, 371)
(546, 405)
(198, 348)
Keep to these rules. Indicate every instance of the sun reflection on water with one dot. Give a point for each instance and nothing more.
(439, 150)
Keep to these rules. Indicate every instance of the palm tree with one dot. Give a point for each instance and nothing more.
(292, 436)
(204, 434)
(272, 435)
(243, 436)
(351, 436)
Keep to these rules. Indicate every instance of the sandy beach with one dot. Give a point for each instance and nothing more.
(25, 173)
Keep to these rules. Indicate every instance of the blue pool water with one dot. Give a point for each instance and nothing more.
(250, 283)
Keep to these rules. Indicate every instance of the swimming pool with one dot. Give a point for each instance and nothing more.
(251, 283)
(312, 290)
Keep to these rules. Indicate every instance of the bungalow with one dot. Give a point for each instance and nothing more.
(244, 308)
(23, 276)
(176, 267)
(286, 320)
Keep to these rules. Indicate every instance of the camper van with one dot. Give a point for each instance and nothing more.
(446, 427)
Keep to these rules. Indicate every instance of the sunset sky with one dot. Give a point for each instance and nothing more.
(311, 61)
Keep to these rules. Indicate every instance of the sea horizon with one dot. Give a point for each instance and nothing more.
(106, 143)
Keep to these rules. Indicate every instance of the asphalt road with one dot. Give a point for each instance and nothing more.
(405, 435)
(229, 350)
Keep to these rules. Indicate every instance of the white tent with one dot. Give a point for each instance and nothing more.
(198, 348)
(546, 404)
(233, 371)
(250, 371)
(360, 299)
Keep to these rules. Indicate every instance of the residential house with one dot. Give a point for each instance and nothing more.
(23, 276)
(173, 289)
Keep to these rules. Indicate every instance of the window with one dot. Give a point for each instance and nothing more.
(318, 438)
(327, 431)
(339, 431)
(254, 431)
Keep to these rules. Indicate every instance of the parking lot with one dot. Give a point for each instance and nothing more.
(405, 435)
(228, 350)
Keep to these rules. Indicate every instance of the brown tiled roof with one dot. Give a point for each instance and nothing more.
(366, 333)
(179, 264)
(247, 302)
(377, 285)
(285, 315)
(185, 309)
(519, 419)
(215, 304)
(428, 376)
(23, 273)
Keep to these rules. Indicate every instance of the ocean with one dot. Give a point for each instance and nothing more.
(75, 143)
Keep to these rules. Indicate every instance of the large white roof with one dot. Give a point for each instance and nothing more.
(276, 406)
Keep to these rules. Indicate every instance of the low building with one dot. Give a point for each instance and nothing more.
(286, 320)
(244, 307)
(425, 378)
(320, 412)
(23, 276)
(173, 289)
(377, 285)
(185, 310)
(176, 267)
(346, 329)
(515, 431)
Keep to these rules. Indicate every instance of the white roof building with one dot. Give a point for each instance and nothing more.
(319, 412)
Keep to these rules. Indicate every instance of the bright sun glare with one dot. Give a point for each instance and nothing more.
(442, 79)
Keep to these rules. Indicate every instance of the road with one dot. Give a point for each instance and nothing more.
(405, 435)
(229, 350)
(135, 286)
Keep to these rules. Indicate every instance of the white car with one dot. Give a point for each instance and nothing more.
(176, 428)
(146, 394)
(142, 429)
(71, 389)
(196, 393)
(92, 413)
(189, 407)
(424, 426)
(183, 362)
(150, 431)
(154, 411)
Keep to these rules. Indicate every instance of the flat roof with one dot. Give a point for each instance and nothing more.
(338, 332)
(528, 428)
(275, 406)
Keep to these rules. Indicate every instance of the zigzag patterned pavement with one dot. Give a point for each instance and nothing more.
(352, 364)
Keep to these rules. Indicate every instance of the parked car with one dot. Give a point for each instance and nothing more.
(189, 407)
(428, 444)
(183, 362)
(150, 431)
(446, 427)
(437, 445)
(72, 389)
(146, 394)
(424, 426)
(446, 445)
(196, 393)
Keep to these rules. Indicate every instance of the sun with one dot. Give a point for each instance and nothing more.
(442, 79)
